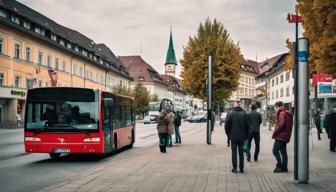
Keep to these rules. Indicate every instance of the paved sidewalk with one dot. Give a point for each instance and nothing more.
(196, 166)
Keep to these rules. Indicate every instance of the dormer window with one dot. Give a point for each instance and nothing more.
(69, 45)
(15, 19)
(3, 13)
(26, 24)
(76, 48)
(62, 42)
(84, 52)
(101, 61)
(37, 30)
(53, 37)
(94, 58)
(141, 78)
(90, 55)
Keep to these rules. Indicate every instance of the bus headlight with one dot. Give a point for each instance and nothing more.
(32, 139)
(93, 139)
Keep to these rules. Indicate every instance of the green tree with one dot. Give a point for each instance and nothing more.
(319, 23)
(154, 98)
(122, 90)
(141, 97)
(214, 40)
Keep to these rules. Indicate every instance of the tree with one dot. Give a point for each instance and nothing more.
(154, 98)
(211, 39)
(319, 23)
(141, 97)
(122, 90)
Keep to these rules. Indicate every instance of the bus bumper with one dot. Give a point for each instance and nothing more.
(34, 147)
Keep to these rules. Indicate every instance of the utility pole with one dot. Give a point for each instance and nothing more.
(209, 123)
(303, 111)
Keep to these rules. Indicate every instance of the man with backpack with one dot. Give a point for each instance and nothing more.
(177, 123)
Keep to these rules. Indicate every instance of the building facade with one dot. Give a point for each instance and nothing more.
(247, 86)
(37, 52)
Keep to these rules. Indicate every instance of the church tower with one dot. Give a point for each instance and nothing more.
(171, 63)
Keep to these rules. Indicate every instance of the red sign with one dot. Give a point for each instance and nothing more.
(53, 77)
(292, 18)
(321, 78)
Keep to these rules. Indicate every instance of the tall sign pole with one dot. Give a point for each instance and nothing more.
(303, 111)
(209, 124)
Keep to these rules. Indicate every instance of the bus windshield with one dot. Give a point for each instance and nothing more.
(64, 110)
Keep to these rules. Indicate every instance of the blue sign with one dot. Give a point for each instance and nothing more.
(325, 88)
(303, 56)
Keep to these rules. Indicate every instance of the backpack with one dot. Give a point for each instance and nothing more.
(177, 120)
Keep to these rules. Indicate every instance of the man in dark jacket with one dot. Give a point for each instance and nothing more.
(317, 120)
(177, 123)
(281, 135)
(254, 121)
(236, 126)
(330, 124)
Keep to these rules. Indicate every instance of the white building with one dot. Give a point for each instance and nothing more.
(247, 86)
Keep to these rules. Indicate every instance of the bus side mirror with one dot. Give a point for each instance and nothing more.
(108, 102)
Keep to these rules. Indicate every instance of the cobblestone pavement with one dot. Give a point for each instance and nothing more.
(196, 166)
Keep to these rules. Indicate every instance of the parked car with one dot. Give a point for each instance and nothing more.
(189, 119)
(150, 119)
(222, 118)
(199, 118)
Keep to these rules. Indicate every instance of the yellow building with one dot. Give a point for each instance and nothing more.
(37, 52)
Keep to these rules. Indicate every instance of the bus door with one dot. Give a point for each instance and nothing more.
(107, 124)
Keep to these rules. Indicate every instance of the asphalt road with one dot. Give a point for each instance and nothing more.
(20, 171)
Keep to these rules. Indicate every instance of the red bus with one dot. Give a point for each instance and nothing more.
(77, 120)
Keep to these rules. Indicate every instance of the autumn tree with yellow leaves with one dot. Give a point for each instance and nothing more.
(214, 40)
(319, 23)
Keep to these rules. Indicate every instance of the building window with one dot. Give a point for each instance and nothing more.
(29, 83)
(49, 64)
(15, 19)
(94, 58)
(287, 91)
(281, 79)
(2, 79)
(276, 94)
(277, 81)
(141, 78)
(3, 13)
(101, 61)
(272, 82)
(76, 48)
(281, 92)
(57, 63)
(74, 69)
(37, 30)
(84, 52)
(27, 54)
(1, 46)
(46, 84)
(40, 58)
(69, 45)
(17, 81)
(26, 24)
(287, 76)
(64, 66)
(81, 71)
(62, 42)
(17, 51)
(53, 37)
(272, 95)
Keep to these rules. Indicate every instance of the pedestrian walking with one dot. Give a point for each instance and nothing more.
(254, 121)
(237, 127)
(213, 120)
(177, 124)
(282, 134)
(330, 124)
(162, 127)
(317, 121)
(170, 127)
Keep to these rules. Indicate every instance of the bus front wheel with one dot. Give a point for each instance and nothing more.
(54, 155)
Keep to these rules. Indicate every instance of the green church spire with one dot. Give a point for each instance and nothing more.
(171, 58)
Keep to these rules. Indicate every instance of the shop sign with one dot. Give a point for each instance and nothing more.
(18, 93)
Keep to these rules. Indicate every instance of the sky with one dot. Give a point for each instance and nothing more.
(142, 27)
